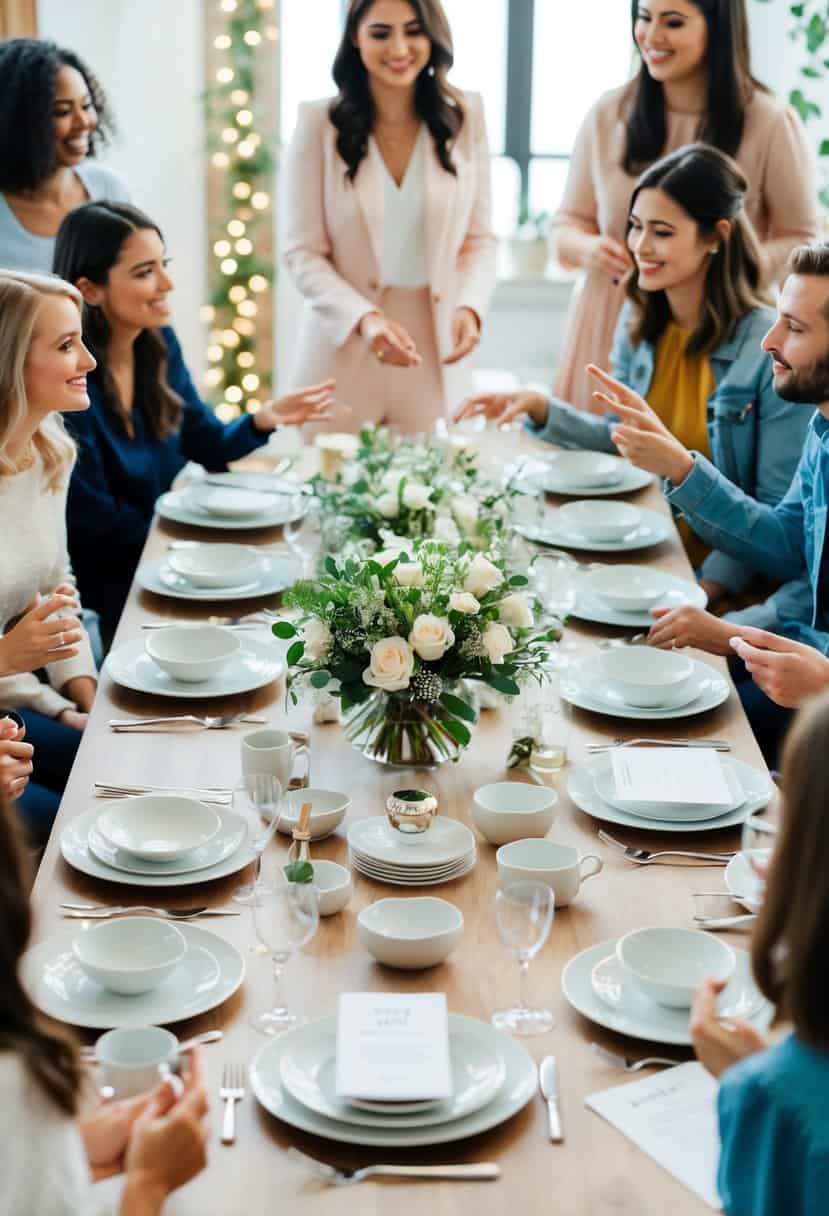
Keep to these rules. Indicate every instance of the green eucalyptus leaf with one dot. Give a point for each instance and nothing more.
(295, 653)
(319, 679)
(503, 684)
(458, 731)
(299, 871)
(518, 580)
(284, 629)
(457, 706)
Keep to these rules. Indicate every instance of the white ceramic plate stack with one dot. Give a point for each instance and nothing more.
(493, 1077)
(626, 595)
(217, 572)
(593, 474)
(254, 665)
(444, 852)
(586, 686)
(229, 505)
(651, 528)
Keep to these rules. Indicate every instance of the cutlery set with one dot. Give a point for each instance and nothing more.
(213, 795)
(644, 857)
(208, 723)
(717, 745)
(104, 911)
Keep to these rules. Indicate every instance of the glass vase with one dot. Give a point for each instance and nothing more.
(402, 732)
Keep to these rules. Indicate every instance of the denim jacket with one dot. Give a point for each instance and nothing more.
(755, 437)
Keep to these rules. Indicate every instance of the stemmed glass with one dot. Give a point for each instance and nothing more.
(524, 916)
(264, 794)
(758, 840)
(286, 916)
(303, 537)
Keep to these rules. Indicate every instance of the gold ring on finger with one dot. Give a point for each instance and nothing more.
(60, 640)
(379, 353)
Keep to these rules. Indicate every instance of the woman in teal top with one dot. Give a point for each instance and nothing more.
(774, 1124)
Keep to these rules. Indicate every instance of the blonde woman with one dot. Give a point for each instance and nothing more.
(43, 368)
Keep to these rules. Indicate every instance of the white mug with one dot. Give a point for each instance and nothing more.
(134, 1059)
(274, 752)
(558, 865)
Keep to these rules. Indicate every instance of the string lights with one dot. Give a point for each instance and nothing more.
(240, 279)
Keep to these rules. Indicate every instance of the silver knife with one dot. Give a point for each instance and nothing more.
(548, 1080)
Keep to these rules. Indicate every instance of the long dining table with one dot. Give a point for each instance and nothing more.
(596, 1170)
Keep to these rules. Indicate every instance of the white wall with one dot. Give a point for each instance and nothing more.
(148, 55)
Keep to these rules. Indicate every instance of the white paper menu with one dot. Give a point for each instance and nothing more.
(670, 774)
(671, 1116)
(393, 1047)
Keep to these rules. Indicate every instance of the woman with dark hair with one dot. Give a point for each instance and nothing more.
(146, 419)
(694, 83)
(688, 341)
(53, 119)
(772, 1100)
(50, 1152)
(386, 218)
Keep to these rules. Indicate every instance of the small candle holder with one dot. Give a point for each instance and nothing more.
(410, 812)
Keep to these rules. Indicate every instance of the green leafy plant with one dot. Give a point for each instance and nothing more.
(299, 871)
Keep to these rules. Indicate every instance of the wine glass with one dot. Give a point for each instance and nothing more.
(286, 916)
(553, 576)
(264, 795)
(758, 841)
(524, 915)
(303, 537)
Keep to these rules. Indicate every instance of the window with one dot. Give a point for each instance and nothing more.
(310, 34)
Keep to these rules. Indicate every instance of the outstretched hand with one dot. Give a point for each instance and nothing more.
(788, 672)
(309, 404)
(503, 408)
(640, 435)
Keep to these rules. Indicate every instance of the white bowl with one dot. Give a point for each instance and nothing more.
(646, 677)
(410, 933)
(192, 653)
(668, 964)
(513, 810)
(334, 886)
(231, 504)
(328, 809)
(130, 954)
(628, 588)
(215, 565)
(158, 827)
(587, 470)
(600, 520)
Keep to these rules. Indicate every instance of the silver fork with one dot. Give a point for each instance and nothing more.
(644, 857)
(209, 723)
(104, 911)
(232, 1091)
(485, 1171)
(630, 1065)
(718, 745)
(215, 797)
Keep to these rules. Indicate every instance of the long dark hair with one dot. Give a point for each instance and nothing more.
(88, 244)
(28, 68)
(439, 105)
(730, 86)
(709, 187)
(47, 1054)
(790, 947)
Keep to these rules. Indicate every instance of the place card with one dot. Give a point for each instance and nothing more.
(670, 774)
(393, 1047)
(671, 1116)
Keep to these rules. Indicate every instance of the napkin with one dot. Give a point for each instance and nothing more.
(671, 1116)
(671, 774)
(393, 1047)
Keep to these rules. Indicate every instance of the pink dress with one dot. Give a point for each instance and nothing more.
(781, 202)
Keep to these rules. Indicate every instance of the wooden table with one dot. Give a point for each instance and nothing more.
(596, 1170)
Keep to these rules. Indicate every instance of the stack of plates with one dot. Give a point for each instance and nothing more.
(652, 529)
(493, 1077)
(273, 573)
(592, 473)
(585, 685)
(254, 665)
(223, 507)
(446, 851)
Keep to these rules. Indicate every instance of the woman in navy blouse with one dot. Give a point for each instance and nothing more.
(146, 419)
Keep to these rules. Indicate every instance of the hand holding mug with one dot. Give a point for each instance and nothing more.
(42, 634)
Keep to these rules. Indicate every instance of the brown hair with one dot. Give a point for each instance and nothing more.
(709, 187)
(790, 950)
(47, 1054)
(811, 259)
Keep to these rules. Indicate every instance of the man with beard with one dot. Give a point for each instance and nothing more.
(779, 541)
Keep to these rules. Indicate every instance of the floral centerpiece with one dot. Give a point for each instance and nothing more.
(394, 637)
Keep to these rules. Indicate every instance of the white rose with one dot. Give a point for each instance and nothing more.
(317, 638)
(482, 576)
(391, 665)
(465, 509)
(497, 641)
(514, 610)
(391, 480)
(388, 506)
(446, 531)
(409, 574)
(462, 601)
(431, 636)
(415, 495)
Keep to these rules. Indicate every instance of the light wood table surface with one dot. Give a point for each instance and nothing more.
(596, 1171)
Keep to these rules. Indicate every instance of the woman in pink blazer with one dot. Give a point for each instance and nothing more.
(385, 219)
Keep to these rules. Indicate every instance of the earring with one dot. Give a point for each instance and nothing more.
(714, 251)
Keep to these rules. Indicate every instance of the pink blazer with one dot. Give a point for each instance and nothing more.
(331, 230)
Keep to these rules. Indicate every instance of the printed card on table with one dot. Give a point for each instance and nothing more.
(670, 774)
(393, 1048)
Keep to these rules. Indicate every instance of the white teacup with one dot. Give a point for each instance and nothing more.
(558, 865)
(273, 752)
(134, 1059)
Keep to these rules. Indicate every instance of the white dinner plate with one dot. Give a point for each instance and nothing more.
(405, 871)
(624, 1009)
(680, 591)
(445, 841)
(275, 574)
(584, 686)
(652, 529)
(178, 506)
(379, 874)
(742, 880)
(308, 1074)
(581, 786)
(255, 665)
(555, 481)
(227, 840)
(211, 971)
(520, 1085)
(685, 812)
(76, 851)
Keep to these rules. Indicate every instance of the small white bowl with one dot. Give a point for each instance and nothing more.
(668, 964)
(130, 954)
(600, 520)
(628, 588)
(513, 810)
(410, 933)
(644, 676)
(334, 886)
(328, 809)
(158, 827)
(231, 504)
(587, 470)
(215, 565)
(192, 653)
